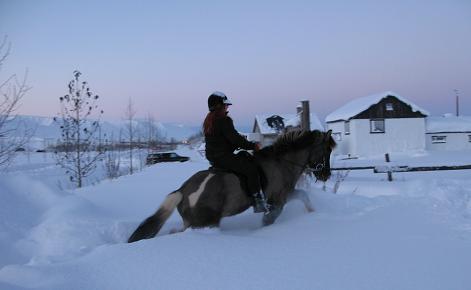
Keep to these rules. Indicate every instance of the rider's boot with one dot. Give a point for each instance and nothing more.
(260, 203)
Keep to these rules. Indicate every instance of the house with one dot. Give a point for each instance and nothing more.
(448, 133)
(267, 127)
(378, 124)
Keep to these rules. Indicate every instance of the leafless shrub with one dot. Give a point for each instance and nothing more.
(112, 164)
(13, 135)
(339, 177)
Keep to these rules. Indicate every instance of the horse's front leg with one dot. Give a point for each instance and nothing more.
(303, 196)
(270, 217)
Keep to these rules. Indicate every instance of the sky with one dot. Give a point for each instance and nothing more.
(267, 56)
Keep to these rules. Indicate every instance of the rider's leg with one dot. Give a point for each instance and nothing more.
(254, 186)
(247, 168)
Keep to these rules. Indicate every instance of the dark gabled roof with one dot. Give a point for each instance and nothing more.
(356, 106)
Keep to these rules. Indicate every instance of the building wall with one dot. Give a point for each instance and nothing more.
(263, 139)
(268, 139)
(454, 141)
(400, 135)
(343, 140)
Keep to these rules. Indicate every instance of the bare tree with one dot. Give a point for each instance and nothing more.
(152, 133)
(112, 161)
(129, 115)
(12, 90)
(80, 153)
(339, 177)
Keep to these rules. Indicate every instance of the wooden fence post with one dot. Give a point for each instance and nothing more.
(389, 171)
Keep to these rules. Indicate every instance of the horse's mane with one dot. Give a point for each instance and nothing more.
(293, 141)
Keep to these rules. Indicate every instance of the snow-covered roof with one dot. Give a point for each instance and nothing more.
(448, 124)
(356, 106)
(293, 120)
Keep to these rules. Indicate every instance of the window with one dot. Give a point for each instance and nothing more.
(347, 128)
(469, 138)
(389, 107)
(337, 136)
(438, 139)
(377, 126)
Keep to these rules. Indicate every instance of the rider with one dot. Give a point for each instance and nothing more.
(222, 140)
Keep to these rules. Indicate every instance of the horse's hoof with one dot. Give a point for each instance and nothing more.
(271, 217)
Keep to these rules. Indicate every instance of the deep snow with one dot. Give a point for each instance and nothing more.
(413, 233)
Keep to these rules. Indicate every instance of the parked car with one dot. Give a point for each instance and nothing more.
(153, 158)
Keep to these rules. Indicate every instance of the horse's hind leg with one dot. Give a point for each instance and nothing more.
(303, 196)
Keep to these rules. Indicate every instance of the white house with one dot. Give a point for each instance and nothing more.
(378, 124)
(448, 133)
(267, 127)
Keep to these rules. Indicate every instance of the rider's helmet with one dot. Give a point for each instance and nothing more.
(217, 98)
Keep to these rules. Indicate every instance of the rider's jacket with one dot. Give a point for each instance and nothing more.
(224, 140)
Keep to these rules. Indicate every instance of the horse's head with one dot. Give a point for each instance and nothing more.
(319, 156)
(315, 145)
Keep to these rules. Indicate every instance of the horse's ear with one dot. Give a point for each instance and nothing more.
(328, 134)
(330, 140)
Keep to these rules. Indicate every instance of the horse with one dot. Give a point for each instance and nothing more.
(210, 195)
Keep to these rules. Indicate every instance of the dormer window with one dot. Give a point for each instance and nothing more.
(276, 122)
(389, 107)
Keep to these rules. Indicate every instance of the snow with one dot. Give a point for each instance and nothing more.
(412, 233)
(359, 105)
(288, 119)
(448, 124)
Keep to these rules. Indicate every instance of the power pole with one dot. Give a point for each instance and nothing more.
(457, 102)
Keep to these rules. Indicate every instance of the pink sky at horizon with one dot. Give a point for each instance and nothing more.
(265, 55)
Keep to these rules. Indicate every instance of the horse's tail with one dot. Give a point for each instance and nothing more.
(151, 226)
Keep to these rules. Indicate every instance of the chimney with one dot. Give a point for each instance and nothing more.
(305, 116)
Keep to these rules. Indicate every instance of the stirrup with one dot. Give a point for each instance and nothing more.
(260, 203)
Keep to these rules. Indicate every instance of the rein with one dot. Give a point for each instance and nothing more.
(295, 163)
(319, 166)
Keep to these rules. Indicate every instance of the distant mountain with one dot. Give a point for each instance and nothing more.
(46, 129)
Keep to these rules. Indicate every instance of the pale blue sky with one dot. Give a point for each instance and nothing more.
(168, 56)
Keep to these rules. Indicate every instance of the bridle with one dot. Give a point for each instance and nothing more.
(319, 166)
(306, 167)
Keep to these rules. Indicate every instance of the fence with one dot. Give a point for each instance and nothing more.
(390, 169)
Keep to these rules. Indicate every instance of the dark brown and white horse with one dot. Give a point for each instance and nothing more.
(209, 195)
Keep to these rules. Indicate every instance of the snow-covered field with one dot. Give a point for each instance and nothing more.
(412, 233)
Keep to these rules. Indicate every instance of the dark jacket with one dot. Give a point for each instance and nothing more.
(225, 140)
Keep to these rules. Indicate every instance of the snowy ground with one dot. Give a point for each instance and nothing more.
(413, 233)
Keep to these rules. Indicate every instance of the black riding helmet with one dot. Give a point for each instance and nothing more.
(217, 98)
